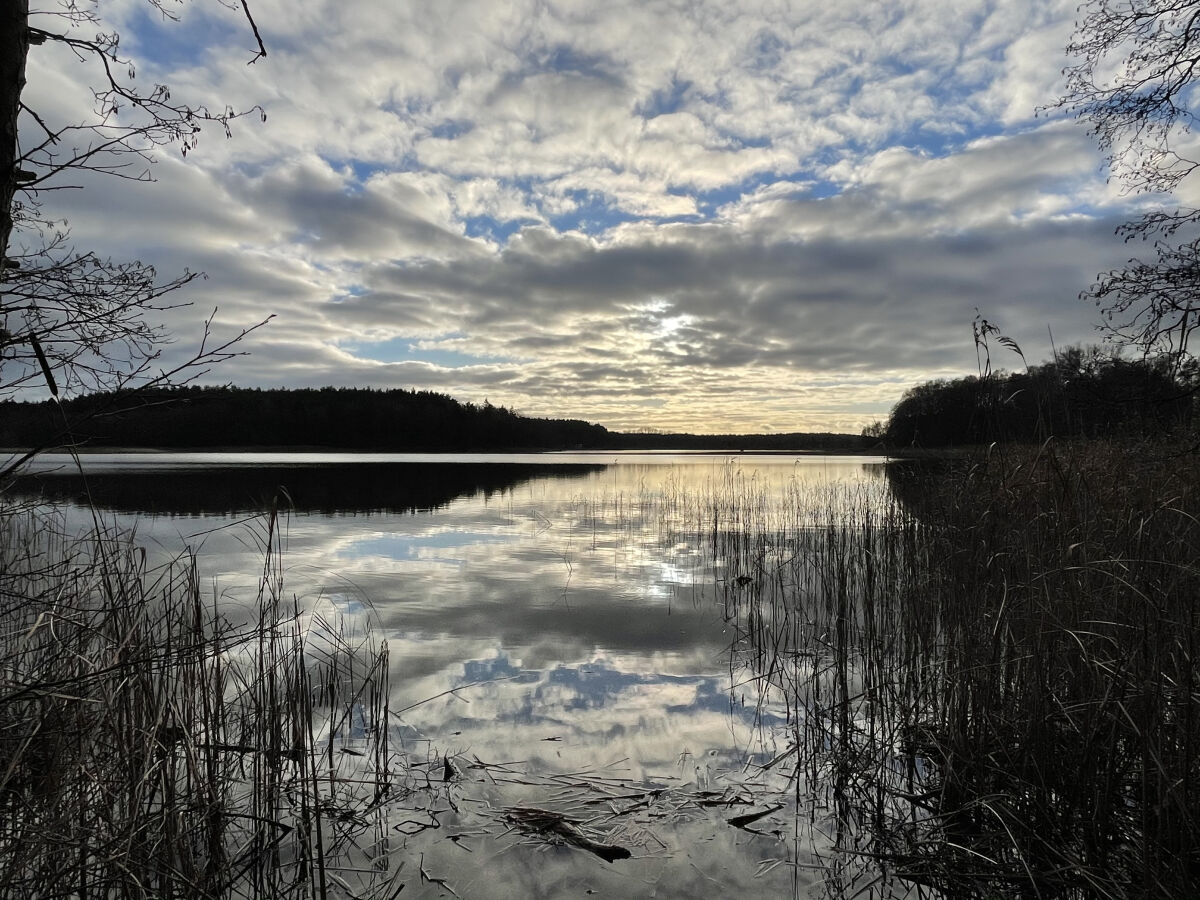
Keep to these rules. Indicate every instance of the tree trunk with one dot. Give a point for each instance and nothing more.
(14, 47)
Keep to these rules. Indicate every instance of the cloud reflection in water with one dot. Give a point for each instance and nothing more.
(536, 616)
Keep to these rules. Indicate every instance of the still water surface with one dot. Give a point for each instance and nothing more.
(563, 615)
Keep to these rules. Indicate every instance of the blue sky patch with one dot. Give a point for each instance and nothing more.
(570, 59)
(594, 213)
(451, 129)
(664, 101)
(402, 349)
(711, 201)
(169, 45)
(487, 227)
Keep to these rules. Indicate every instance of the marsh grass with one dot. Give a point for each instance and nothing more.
(152, 746)
(989, 670)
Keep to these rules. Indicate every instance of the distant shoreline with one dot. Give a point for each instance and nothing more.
(307, 420)
(589, 451)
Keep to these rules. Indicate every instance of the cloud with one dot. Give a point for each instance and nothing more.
(634, 213)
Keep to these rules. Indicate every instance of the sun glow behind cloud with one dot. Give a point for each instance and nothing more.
(718, 217)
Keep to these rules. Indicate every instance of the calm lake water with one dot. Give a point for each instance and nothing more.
(556, 632)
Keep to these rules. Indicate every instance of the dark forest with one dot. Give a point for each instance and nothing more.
(338, 419)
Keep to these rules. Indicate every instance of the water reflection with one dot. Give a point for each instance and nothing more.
(551, 626)
(204, 489)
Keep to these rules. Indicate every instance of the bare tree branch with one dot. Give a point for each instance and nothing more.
(1133, 81)
(69, 318)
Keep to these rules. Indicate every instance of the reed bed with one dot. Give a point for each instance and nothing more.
(989, 667)
(153, 746)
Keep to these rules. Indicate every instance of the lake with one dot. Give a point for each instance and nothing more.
(560, 638)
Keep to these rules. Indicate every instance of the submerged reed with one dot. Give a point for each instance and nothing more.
(151, 747)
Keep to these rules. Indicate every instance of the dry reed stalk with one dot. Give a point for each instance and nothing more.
(150, 748)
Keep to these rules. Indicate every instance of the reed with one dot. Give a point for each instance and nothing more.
(989, 669)
(152, 745)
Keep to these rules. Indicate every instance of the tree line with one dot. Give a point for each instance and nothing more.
(1081, 393)
(338, 419)
(817, 442)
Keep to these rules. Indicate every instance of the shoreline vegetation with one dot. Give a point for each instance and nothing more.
(990, 667)
(342, 419)
(155, 742)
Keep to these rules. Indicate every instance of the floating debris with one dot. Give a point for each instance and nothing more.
(548, 824)
(750, 818)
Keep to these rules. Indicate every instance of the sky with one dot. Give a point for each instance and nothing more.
(696, 215)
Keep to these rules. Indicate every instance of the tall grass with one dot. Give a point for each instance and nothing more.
(990, 673)
(151, 747)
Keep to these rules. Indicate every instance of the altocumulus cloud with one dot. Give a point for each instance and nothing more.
(716, 216)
